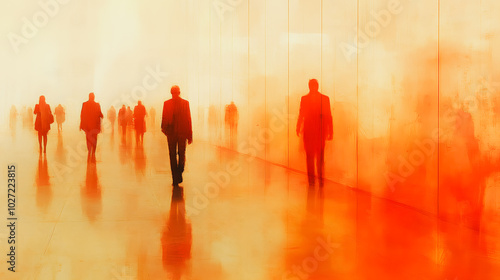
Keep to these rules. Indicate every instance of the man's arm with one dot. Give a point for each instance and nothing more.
(164, 119)
(82, 115)
(100, 111)
(190, 127)
(328, 120)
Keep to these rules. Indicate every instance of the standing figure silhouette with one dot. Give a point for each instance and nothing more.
(176, 125)
(112, 117)
(60, 116)
(43, 120)
(90, 122)
(140, 115)
(316, 125)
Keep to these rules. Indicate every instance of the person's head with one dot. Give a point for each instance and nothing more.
(313, 85)
(140, 102)
(91, 96)
(41, 100)
(175, 91)
(123, 106)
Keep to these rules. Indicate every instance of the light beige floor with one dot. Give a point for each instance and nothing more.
(120, 219)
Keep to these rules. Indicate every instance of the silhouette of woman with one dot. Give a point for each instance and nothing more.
(43, 120)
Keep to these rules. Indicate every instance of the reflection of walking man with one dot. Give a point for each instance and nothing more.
(315, 123)
(176, 125)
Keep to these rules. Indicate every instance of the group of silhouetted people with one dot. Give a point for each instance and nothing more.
(314, 125)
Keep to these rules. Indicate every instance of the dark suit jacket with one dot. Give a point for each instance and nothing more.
(176, 119)
(90, 118)
(316, 117)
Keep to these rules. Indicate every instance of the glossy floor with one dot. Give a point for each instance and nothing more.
(236, 218)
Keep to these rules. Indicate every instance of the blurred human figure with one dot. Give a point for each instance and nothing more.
(152, 116)
(213, 122)
(13, 117)
(29, 117)
(13, 121)
(176, 239)
(60, 116)
(122, 119)
(112, 117)
(231, 119)
(44, 119)
(316, 125)
(176, 125)
(130, 116)
(90, 122)
(140, 114)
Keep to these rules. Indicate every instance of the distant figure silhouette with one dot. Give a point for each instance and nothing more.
(122, 119)
(316, 125)
(13, 120)
(152, 115)
(130, 116)
(213, 122)
(112, 117)
(13, 116)
(231, 119)
(60, 116)
(90, 122)
(140, 114)
(176, 125)
(29, 117)
(43, 120)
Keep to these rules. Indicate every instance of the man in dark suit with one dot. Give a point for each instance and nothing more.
(316, 125)
(176, 125)
(90, 122)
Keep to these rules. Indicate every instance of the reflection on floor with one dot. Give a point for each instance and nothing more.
(235, 218)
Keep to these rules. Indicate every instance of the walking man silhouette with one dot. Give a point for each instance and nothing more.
(90, 122)
(316, 125)
(176, 125)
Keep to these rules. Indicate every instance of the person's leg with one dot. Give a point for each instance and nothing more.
(87, 140)
(172, 150)
(309, 147)
(182, 158)
(45, 142)
(40, 141)
(321, 163)
(94, 144)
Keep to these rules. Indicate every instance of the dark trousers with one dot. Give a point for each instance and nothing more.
(315, 153)
(177, 146)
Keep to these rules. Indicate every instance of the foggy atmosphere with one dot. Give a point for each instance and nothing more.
(265, 139)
